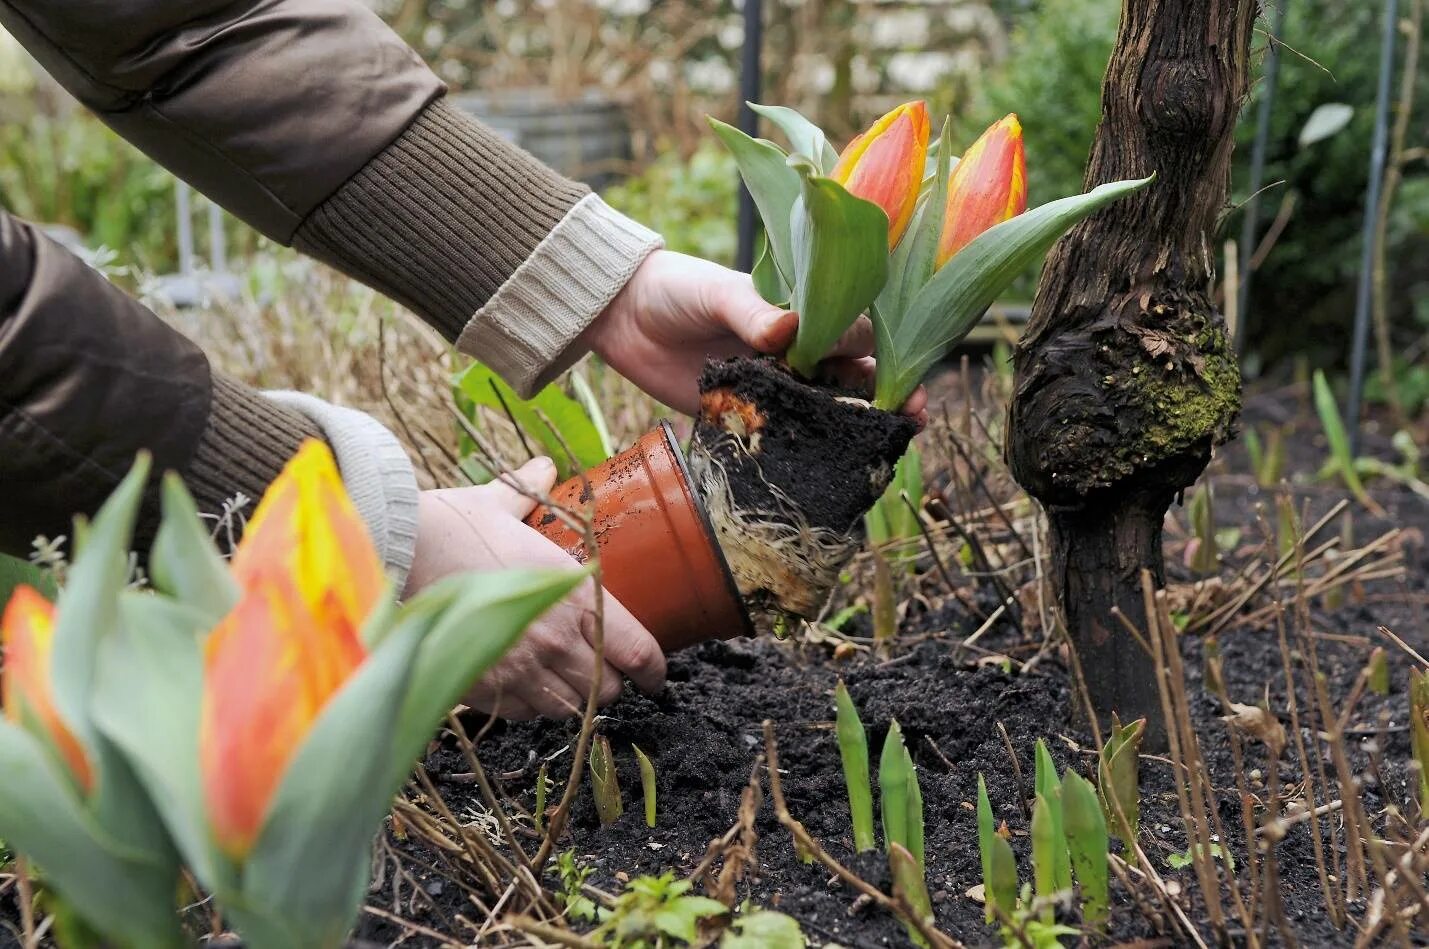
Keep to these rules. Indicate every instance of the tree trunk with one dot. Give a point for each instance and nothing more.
(1126, 379)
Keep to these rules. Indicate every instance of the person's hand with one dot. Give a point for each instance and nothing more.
(677, 311)
(549, 670)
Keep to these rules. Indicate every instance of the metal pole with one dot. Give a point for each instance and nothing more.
(184, 210)
(1371, 206)
(750, 83)
(1257, 172)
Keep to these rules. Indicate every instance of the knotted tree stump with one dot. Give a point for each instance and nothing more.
(1126, 378)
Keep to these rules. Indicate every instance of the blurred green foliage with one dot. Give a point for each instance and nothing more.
(70, 169)
(1302, 297)
(690, 201)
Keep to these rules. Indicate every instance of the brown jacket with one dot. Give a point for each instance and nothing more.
(314, 123)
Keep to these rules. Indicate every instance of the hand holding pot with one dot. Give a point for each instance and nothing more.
(548, 673)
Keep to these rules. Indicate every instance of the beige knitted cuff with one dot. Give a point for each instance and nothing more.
(526, 330)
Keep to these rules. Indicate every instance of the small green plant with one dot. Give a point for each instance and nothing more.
(1187, 857)
(551, 423)
(763, 929)
(1267, 457)
(885, 602)
(1419, 730)
(901, 803)
(1341, 461)
(656, 912)
(853, 749)
(578, 906)
(605, 782)
(1204, 554)
(1118, 772)
(1378, 671)
(538, 816)
(1068, 831)
(647, 784)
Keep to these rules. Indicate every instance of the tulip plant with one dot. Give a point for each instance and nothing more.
(251, 720)
(895, 227)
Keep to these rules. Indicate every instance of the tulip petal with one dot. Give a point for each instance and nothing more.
(27, 637)
(885, 165)
(988, 186)
(309, 578)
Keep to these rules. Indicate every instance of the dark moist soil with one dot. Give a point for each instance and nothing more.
(831, 458)
(703, 735)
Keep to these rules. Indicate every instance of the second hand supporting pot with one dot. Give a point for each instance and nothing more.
(658, 552)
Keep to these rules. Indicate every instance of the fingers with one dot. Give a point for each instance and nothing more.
(917, 407)
(629, 647)
(856, 341)
(536, 476)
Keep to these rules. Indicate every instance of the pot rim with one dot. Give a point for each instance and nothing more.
(699, 505)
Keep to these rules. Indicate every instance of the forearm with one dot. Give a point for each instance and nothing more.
(314, 122)
(89, 377)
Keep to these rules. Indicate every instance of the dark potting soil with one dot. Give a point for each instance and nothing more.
(703, 734)
(831, 458)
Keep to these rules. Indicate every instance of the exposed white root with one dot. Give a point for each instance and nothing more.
(781, 563)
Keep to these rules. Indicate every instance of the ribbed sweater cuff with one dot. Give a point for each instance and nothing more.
(246, 443)
(375, 471)
(525, 333)
(441, 218)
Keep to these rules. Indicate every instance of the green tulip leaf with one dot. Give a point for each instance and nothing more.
(893, 792)
(147, 703)
(950, 304)
(1087, 840)
(184, 563)
(772, 184)
(554, 420)
(986, 834)
(768, 281)
(124, 893)
(482, 615)
(840, 265)
(805, 138)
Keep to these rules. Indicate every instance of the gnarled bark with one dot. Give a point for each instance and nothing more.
(1126, 379)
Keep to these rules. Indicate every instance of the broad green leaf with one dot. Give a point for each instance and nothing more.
(309, 867)
(1087, 840)
(805, 138)
(184, 563)
(587, 398)
(1000, 883)
(768, 281)
(893, 787)
(986, 831)
(681, 916)
(910, 883)
(950, 304)
(1117, 776)
(14, 572)
(569, 428)
(853, 750)
(126, 894)
(840, 264)
(1047, 841)
(772, 184)
(764, 929)
(147, 702)
(480, 617)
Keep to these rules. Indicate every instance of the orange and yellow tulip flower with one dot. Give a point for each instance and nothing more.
(309, 577)
(27, 636)
(885, 164)
(988, 186)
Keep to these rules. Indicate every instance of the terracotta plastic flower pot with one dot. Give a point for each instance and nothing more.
(658, 552)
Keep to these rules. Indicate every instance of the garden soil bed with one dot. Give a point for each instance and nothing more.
(703, 734)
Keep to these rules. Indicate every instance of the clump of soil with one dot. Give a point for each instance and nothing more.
(787, 469)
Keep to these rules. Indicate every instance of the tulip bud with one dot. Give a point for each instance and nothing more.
(27, 637)
(988, 186)
(309, 577)
(885, 164)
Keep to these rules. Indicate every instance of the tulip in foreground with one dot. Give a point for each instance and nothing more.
(988, 186)
(885, 164)
(27, 634)
(309, 578)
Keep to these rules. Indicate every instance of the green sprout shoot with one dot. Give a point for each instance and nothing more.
(853, 748)
(1049, 788)
(893, 787)
(604, 782)
(538, 818)
(910, 885)
(647, 784)
(1117, 773)
(999, 866)
(1087, 840)
(1379, 671)
(1419, 730)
